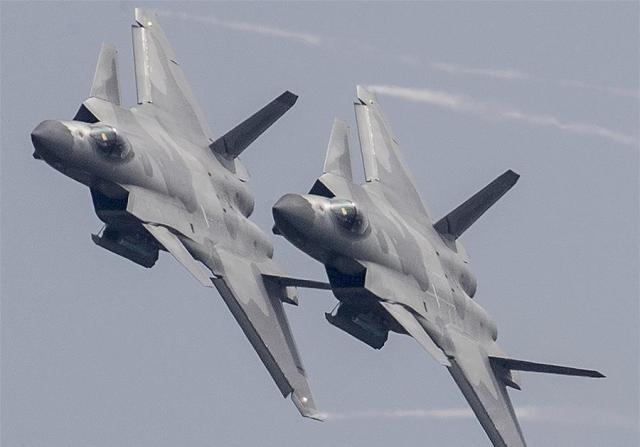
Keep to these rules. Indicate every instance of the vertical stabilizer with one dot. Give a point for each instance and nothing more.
(160, 81)
(383, 163)
(338, 159)
(105, 81)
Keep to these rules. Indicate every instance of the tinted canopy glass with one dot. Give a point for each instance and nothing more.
(109, 142)
(348, 216)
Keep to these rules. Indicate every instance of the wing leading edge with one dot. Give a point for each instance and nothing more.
(485, 392)
(257, 306)
(471, 368)
(253, 290)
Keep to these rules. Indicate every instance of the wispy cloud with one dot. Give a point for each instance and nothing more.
(446, 100)
(451, 413)
(316, 40)
(465, 104)
(416, 61)
(517, 75)
(559, 414)
(508, 74)
(249, 27)
(602, 89)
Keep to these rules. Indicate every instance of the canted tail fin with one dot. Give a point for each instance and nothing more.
(336, 173)
(105, 81)
(457, 221)
(338, 158)
(161, 86)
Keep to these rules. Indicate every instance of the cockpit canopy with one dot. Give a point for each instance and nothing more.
(109, 142)
(348, 216)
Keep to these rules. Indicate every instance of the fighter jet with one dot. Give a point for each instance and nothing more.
(160, 181)
(395, 269)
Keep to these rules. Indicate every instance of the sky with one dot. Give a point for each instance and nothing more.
(97, 351)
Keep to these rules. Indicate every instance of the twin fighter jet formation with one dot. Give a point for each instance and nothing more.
(160, 181)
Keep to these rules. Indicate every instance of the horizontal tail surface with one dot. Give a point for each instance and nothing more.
(240, 137)
(521, 365)
(287, 281)
(457, 221)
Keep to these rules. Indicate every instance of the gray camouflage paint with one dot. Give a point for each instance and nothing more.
(173, 191)
(396, 272)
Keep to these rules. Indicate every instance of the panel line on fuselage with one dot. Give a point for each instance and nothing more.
(435, 293)
(204, 213)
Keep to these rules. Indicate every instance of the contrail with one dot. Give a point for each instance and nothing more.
(464, 104)
(560, 414)
(316, 40)
(597, 88)
(517, 75)
(451, 413)
(458, 70)
(434, 97)
(249, 27)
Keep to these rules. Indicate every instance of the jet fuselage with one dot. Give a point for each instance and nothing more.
(133, 150)
(351, 234)
(159, 180)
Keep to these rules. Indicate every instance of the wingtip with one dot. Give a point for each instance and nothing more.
(144, 17)
(306, 406)
(513, 175)
(289, 98)
(320, 417)
(315, 415)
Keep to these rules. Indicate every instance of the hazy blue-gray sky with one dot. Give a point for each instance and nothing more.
(97, 351)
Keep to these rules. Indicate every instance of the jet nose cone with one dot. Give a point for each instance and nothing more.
(293, 213)
(52, 138)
